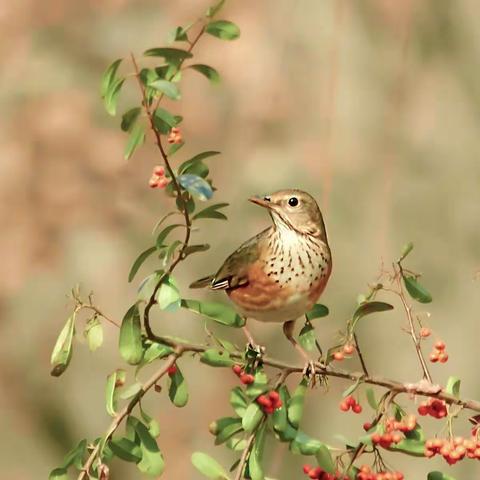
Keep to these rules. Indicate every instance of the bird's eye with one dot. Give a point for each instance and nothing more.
(293, 201)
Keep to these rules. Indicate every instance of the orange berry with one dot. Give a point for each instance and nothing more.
(159, 171)
(433, 357)
(348, 349)
(440, 345)
(425, 332)
(339, 356)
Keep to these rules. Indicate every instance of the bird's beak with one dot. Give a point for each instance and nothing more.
(263, 202)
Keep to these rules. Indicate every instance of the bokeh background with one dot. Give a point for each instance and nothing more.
(373, 106)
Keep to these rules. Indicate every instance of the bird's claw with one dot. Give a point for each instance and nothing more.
(309, 370)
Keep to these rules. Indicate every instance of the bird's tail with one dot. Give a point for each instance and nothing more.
(203, 282)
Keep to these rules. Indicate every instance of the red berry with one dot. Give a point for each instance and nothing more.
(357, 408)
(440, 345)
(246, 378)
(264, 401)
(237, 369)
(433, 357)
(367, 426)
(344, 406)
(422, 410)
(274, 396)
(159, 171)
(348, 349)
(172, 370)
(307, 468)
(350, 401)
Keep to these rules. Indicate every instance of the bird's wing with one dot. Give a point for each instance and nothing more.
(234, 271)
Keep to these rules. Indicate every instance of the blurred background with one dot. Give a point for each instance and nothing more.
(373, 106)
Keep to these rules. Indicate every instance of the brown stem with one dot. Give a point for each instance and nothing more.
(243, 458)
(413, 334)
(171, 359)
(360, 356)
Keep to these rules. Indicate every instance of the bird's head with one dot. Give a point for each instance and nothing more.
(294, 209)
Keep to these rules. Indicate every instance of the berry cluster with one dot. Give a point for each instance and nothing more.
(245, 378)
(453, 450)
(439, 353)
(350, 403)
(317, 473)
(172, 370)
(434, 407)
(175, 136)
(269, 402)
(393, 431)
(347, 349)
(366, 473)
(158, 178)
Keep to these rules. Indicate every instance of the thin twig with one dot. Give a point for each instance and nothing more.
(243, 458)
(360, 356)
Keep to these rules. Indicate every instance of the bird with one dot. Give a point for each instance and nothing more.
(278, 275)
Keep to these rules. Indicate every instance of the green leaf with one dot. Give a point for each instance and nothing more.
(296, 403)
(439, 476)
(214, 9)
(171, 251)
(125, 449)
(76, 455)
(62, 351)
(148, 285)
(153, 425)
(409, 446)
(130, 341)
(129, 118)
(216, 358)
(406, 250)
(207, 71)
(352, 388)
(280, 420)
(307, 337)
(162, 236)
(109, 76)
(178, 35)
(324, 459)
(174, 148)
(196, 185)
(58, 474)
(156, 350)
(114, 380)
(208, 467)
(191, 249)
(167, 88)
(164, 120)
(135, 139)
(168, 296)
(178, 392)
(259, 385)
(238, 401)
(168, 53)
(317, 311)
(131, 391)
(212, 212)
(219, 312)
(253, 416)
(417, 291)
(152, 462)
(94, 333)
(371, 398)
(139, 261)
(453, 386)
(370, 307)
(223, 29)
(305, 445)
(111, 96)
(254, 460)
(226, 428)
(189, 165)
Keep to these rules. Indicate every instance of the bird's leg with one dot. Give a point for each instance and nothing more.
(309, 367)
(252, 344)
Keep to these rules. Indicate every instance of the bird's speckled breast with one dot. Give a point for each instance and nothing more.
(287, 279)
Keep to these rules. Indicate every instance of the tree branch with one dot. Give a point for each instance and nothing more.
(243, 458)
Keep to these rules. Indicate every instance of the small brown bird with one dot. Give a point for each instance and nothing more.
(278, 275)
